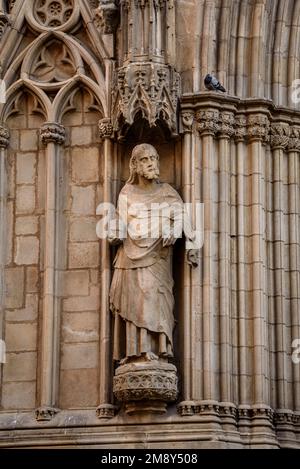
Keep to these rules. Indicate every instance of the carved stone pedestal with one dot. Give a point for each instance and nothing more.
(146, 386)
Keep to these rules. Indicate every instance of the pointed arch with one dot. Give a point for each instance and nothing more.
(35, 91)
(59, 103)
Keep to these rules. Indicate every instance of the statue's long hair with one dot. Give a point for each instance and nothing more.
(136, 152)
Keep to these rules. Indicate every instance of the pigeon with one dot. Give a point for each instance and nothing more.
(211, 83)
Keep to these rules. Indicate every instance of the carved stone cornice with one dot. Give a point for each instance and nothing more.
(212, 408)
(53, 133)
(187, 121)
(280, 133)
(258, 128)
(4, 137)
(208, 122)
(294, 139)
(148, 90)
(227, 124)
(286, 417)
(240, 128)
(255, 412)
(107, 16)
(44, 414)
(106, 411)
(105, 128)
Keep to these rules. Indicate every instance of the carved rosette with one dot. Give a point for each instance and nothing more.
(44, 414)
(148, 90)
(4, 137)
(53, 13)
(105, 128)
(294, 139)
(53, 133)
(146, 386)
(280, 135)
(208, 122)
(107, 16)
(258, 128)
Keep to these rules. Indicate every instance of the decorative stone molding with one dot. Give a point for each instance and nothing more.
(208, 122)
(52, 132)
(286, 417)
(4, 137)
(294, 139)
(44, 414)
(107, 16)
(251, 412)
(187, 121)
(227, 123)
(258, 127)
(106, 411)
(105, 128)
(148, 90)
(4, 21)
(220, 409)
(152, 384)
(280, 134)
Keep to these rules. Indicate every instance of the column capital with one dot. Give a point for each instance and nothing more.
(294, 139)
(280, 133)
(187, 120)
(240, 128)
(51, 132)
(4, 137)
(258, 128)
(105, 128)
(227, 125)
(208, 122)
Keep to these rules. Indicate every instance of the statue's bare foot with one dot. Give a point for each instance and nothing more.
(150, 356)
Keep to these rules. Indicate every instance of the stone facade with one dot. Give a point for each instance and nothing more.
(86, 81)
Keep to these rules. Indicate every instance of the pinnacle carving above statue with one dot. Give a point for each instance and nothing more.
(146, 84)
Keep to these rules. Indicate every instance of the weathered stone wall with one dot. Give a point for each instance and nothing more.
(66, 132)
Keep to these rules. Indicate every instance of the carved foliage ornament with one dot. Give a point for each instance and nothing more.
(4, 137)
(53, 133)
(53, 13)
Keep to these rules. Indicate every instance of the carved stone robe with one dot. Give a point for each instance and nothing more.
(141, 295)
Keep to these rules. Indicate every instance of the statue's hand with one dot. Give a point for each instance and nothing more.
(193, 257)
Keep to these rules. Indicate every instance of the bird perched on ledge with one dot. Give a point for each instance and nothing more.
(211, 83)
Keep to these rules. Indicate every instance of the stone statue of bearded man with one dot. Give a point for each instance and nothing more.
(141, 295)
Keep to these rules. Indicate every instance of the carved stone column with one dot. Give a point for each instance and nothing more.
(256, 317)
(227, 131)
(208, 128)
(294, 240)
(279, 142)
(241, 216)
(106, 409)
(187, 405)
(52, 135)
(4, 142)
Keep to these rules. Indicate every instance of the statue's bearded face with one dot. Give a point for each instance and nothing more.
(147, 165)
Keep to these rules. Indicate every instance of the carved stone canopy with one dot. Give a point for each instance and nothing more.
(148, 90)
